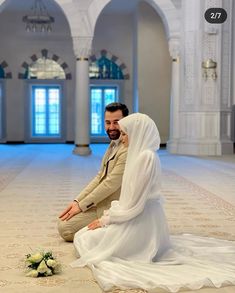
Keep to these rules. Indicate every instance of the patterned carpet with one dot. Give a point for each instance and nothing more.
(36, 184)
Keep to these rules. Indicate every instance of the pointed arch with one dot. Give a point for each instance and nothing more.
(5, 68)
(165, 8)
(113, 58)
(44, 53)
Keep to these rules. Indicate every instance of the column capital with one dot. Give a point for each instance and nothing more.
(82, 47)
(174, 47)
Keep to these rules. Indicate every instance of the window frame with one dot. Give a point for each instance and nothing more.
(119, 84)
(29, 115)
(3, 113)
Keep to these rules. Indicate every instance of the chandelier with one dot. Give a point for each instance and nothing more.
(38, 19)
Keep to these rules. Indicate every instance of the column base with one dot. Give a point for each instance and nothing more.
(200, 148)
(172, 146)
(82, 150)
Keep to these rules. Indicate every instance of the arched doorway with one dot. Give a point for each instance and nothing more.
(138, 34)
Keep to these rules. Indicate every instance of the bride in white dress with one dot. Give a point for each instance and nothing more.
(130, 246)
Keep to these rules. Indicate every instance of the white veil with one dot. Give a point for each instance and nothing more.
(139, 183)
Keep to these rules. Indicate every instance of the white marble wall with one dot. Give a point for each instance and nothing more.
(205, 105)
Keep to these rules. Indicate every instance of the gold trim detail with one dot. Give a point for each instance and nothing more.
(82, 145)
(82, 59)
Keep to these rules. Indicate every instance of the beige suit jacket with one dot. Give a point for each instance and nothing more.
(106, 186)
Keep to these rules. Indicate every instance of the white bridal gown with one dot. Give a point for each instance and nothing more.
(119, 255)
(135, 250)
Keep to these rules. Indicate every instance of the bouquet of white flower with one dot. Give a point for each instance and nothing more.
(41, 264)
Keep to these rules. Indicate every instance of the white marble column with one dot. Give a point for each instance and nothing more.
(82, 48)
(200, 108)
(174, 48)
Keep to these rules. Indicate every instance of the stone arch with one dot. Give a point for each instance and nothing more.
(112, 58)
(4, 65)
(46, 54)
(82, 15)
(3, 3)
(165, 8)
(169, 15)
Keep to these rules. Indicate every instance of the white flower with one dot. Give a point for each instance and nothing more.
(48, 272)
(51, 263)
(32, 273)
(35, 258)
(41, 264)
(42, 268)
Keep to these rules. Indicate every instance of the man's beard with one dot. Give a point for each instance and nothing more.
(113, 134)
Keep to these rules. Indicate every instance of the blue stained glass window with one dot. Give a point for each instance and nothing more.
(40, 112)
(105, 69)
(100, 97)
(54, 111)
(96, 110)
(2, 73)
(1, 112)
(46, 111)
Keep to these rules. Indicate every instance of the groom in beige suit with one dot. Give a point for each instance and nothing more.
(105, 187)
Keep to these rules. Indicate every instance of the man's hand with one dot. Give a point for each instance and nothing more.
(72, 210)
(94, 225)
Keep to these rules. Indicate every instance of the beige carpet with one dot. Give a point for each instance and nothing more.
(38, 181)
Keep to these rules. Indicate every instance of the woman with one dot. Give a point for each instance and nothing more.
(131, 247)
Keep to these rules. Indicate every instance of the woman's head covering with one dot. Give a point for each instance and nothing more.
(144, 141)
(142, 135)
(142, 132)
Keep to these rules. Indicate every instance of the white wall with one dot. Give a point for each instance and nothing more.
(154, 69)
(114, 32)
(233, 80)
(16, 47)
(233, 57)
(139, 40)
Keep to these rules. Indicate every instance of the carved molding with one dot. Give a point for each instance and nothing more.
(202, 126)
(82, 46)
(174, 48)
(209, 86)
(225, 125)
(217, 46)
(211, 28)
(77, 13)
(82, 21)
(189, 67)
(226, 61)
(211, 37)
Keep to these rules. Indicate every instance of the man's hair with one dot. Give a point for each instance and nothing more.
(113, 107)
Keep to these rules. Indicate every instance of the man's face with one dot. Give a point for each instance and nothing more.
(111, 124)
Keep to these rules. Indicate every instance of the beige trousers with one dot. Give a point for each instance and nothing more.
(67, 229)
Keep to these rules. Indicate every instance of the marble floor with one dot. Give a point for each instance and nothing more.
(38, 181)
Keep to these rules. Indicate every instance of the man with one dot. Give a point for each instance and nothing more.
(105, 187)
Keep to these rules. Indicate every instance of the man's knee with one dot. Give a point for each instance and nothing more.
(65, 231)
